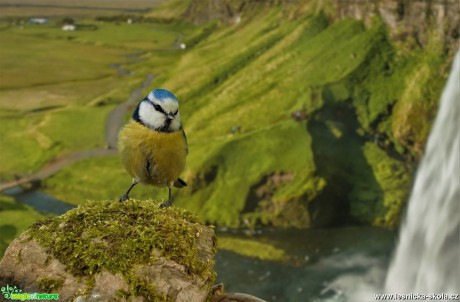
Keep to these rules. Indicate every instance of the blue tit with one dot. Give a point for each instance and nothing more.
(153, 145)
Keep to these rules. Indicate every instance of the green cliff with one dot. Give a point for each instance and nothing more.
(308, 118)
(298, 113)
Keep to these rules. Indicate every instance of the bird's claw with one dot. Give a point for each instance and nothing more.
(124, 198)
(166, 204)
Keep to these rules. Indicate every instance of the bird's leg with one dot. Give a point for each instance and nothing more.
(125, 196)
(169, 202)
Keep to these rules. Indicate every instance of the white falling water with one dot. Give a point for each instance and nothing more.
(427, 259)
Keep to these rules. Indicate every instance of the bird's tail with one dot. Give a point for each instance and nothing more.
(180, 183)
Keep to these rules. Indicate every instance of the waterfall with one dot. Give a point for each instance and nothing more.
(427, 258)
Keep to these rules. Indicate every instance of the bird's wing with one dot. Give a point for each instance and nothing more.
(180, 183)
(149, 166)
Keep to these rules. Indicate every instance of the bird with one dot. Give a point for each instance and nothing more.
(153, 145)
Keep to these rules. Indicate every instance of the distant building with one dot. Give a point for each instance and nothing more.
(69, 27)
(39, 21)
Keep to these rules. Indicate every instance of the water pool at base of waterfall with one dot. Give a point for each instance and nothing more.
(340, 264)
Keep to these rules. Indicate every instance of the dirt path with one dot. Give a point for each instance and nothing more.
(115, 119)
(114, 122)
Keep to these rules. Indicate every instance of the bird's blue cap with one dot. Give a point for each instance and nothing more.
(161, 95)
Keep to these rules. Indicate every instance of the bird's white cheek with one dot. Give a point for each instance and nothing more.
(151, 117)
(175, 124)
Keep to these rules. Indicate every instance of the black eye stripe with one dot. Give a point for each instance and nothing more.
(158, 108)
(177, 111)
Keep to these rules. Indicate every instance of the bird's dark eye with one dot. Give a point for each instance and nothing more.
(177, 111)
(158, 107)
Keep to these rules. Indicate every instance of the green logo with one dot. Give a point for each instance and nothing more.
(14, 293)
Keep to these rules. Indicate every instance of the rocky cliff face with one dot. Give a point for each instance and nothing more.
(419, 20)
(204, 11)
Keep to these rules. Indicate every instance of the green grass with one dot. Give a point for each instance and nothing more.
(350, 81)
(169, 10)
(52, 108)
(22, 149)
(284, 147)
(130, 37)
(251, 248)
(394, 180)
(14, 219)
(30, 61)
(33, 138)
(256, 87)
(88, 179)
(78, 128)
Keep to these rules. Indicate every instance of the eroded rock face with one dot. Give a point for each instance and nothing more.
(218, 294)
(417, 19)
(42, 259)
(405, 19)
(25, 263)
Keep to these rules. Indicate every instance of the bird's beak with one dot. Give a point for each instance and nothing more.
(170, 116)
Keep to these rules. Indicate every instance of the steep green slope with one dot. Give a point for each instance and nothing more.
(368, 113)
(284, 67)
(292, 121)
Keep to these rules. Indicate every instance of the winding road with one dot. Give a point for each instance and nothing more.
(114, 123)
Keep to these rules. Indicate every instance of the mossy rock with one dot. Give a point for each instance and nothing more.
(111, 251)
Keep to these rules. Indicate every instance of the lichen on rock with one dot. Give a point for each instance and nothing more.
(109, 251)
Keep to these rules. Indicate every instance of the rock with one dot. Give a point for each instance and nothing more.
(200, 11)
(111, 251)
(218, 295)
(418, 19)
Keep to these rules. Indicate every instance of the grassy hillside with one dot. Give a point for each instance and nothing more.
(364, 107)
(15, 219)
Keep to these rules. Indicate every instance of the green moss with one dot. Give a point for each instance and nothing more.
(417, 104)
(117, 237)
(139, 287)
(87, 180)
(49, 285)
(394, 181)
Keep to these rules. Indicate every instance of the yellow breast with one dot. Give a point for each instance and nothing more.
(153, 157)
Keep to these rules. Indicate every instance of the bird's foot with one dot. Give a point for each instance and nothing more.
(124, 198)
(166, 204)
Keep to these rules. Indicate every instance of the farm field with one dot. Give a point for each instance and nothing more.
(72, 80)
(74, 7)
(57, 88)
